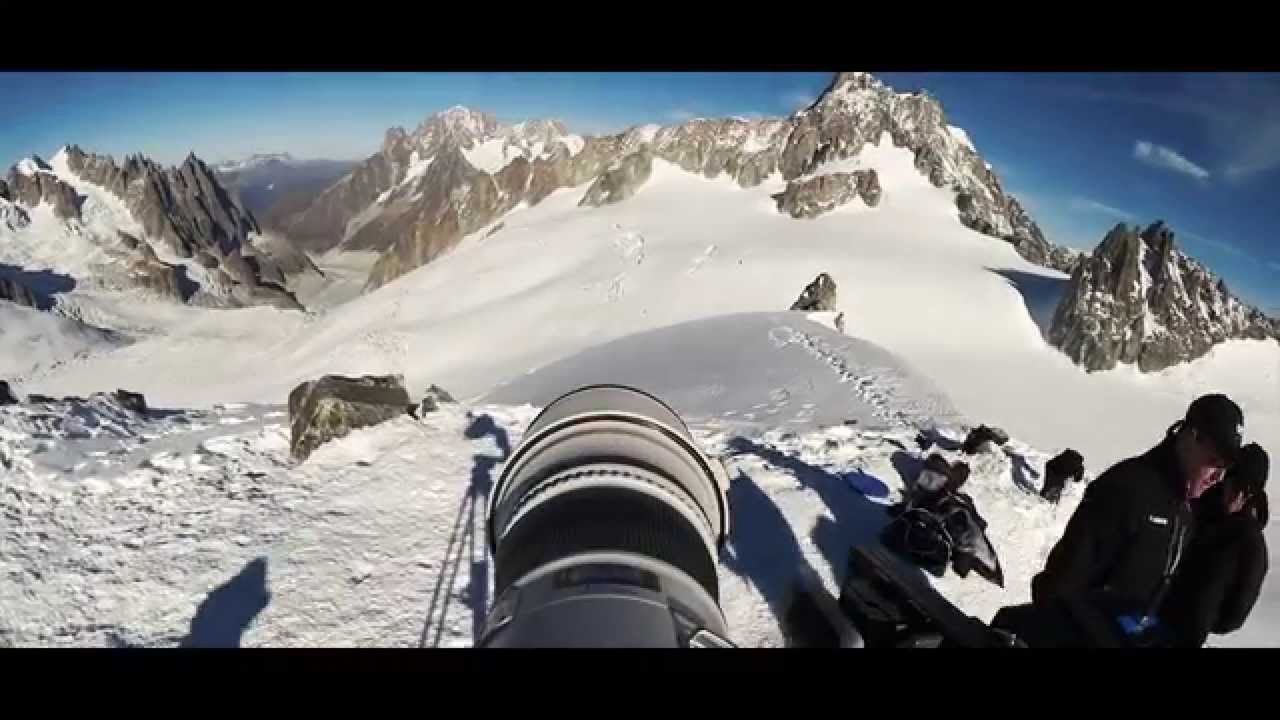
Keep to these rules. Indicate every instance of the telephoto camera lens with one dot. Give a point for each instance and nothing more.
(604, 528)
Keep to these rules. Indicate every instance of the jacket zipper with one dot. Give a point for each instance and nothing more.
(1173, 557)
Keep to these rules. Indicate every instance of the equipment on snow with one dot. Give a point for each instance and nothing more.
(1067, 465)
(980, 436)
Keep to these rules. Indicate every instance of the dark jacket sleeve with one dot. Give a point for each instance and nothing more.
(1089, 544)
(1251, 569)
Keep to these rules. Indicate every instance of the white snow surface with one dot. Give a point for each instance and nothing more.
(956, 307)
(35, 340)
(194, 527)
(784, 370)
(962, 136)
(28, 166)
(575, 143)
(490, 155)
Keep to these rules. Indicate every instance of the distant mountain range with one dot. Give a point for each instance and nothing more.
(265, 181)
(460, 170)
(192, 233)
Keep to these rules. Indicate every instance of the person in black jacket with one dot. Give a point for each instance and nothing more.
(1122, 545)
(1221, 574)
(1132, 525)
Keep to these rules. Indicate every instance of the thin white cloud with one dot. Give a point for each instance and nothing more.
(1165, 158)
(1239, 112)
(681, 115)
(1082, 204)
(1222, 246)
(796, 100)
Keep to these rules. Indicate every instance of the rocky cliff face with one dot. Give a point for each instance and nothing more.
(857, 109)
(184, 207)
(12, 216)
(620, 182)
(1139, 300)
(175, 231)
(824, 193)
(461, 170)
(32, 183)
(413, 166)
(188, 212)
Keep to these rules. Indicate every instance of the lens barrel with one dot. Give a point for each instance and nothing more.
(604, 527)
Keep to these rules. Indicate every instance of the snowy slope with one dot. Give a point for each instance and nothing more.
(964, 310)
(756, 370)
(557, 278)
(34, 340)
(194, 527)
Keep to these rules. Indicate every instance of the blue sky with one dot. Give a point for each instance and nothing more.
(1083, 151)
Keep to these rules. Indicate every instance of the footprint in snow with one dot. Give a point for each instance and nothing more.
(616, 290)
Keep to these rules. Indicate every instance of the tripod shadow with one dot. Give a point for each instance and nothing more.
(766, 551)
(763, 549)
(229, 609)
(467, 540)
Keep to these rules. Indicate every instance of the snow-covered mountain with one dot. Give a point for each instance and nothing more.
(675, 275)
(461, 170)
(1139, 300)
(139, 228)
(253, 162)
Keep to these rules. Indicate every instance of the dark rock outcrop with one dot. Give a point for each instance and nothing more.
(818, 296)
(1138, 300)
(131, 401)
(328, 408)
(620, 182)
(6, 394)
(824, 193)
(433, 399)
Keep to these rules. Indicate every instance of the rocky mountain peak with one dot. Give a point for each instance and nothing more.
(528, 161)
(1139, 300)
(457, 124)
(393, 137)
(847, 83)
(539, 131)
(31, 181)
(853, 92)
(31, 166)
(193, 231)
